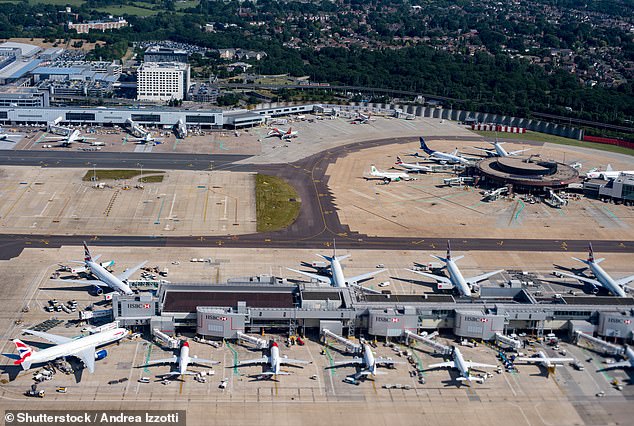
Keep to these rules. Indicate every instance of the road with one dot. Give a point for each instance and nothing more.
(318, 223)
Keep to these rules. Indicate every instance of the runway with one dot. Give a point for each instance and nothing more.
(318, 223)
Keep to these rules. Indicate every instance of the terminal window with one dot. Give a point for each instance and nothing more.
(79, 116)
(200, 119)
(146, 117)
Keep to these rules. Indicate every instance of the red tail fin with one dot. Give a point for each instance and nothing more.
(449, 250)
(590, 253)
(87, 256)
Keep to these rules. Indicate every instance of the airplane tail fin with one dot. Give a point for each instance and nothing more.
(373, 170)
(609, 168)
(24, 352)
(448, 250)
(87, 256)
(590, 253)
(398, 160)
(424, 146)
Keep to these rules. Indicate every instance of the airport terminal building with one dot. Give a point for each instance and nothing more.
(268, 303)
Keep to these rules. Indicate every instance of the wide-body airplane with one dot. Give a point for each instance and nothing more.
(387, 176)
(83, 348)
(368, 362)
(413, 167)
(458, 362)
(456, 280)
(104, 277)
(602, 278)
(362, 119)
(182, 360)
(274, 361)
(283, 134)
(499, 151)
(146, 138)
(544, 360)
(607, 174)
(336, 277)
(75, 136)
(443, 157)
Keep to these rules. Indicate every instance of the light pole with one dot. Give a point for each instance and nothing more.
(94, 172)
(141, 178)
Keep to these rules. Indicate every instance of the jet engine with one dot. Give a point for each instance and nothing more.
(97, 290)
(101, 354)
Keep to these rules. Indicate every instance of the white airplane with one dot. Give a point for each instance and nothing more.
(458, 362)
(413, 167)
(616, 287)
(607, 174)
(628, 363)
(182, 360)
(7, 136)
(542, 359)
(146, 138)
(368, 362)
(75, 136)
(336, 278)
(443, 157)
(362, 119)
(499, 151)
(83, 348)
(283, 134)
(105, 278)
(456, 280)
(494, 194)
(388, 176)
(274, 362)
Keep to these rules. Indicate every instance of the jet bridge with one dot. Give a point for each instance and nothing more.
(166, 340)
(350, 345)
(596, 343)
(255, 341)
(427, 340)
(501, 339)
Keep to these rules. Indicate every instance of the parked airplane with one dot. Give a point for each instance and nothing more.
(458, 362)
(75, 136)
(388, 176)
(83, 348)
(628, 363)
(146, 138)
(413, 167)
(542, 359)
(499, 151)
(336, 278)
(456, 280)
(367, 362)
(105, 278)
(283, 134)
(616, 287)
(607, 174)
(274, 361)
(443, 157)
(182, 360)
(7, 136)
(362, 119)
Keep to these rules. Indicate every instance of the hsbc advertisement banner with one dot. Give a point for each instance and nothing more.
(390, 324)
(478, 325)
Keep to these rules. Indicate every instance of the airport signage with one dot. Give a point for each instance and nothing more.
(384, 319)
(139, 306)
(216, 318)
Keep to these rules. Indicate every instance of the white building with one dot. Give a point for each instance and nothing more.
(162, 81)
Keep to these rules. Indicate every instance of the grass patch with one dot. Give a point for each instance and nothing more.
(117, 174)
(277, 203)
(543, 137)
(127, 10)
(152, 179)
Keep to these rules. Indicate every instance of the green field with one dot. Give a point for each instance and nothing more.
(543, 137)
(118, 174)
(152, 179)
(127, 10)
(277, 203)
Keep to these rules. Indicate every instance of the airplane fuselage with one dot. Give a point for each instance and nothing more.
(368, 359)
(460, 364)
(183, 359)
(338, 279)
(107, 278)
(606, 280)
(457, 279)
(75, 346)
(629, 353)
(274, 359)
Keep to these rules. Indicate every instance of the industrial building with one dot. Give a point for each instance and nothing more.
(268, 303)
(26, 97)
(620, 189)
(162, 81)
(85, 27)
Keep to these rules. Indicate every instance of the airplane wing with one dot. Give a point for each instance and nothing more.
(625, 281)
(128, 272)
(580, 278)
(172, 360)
(470, 364)
(263, 360)
(321, 278)
(386, 361)
(518, 151)
(53, 338)
(365, 276)
(488, 151)
(620, 364)
(448, 364)
(432, 276)
(202, 361)
(483, 277)
(88, 358)
(285, 361)
(366, 289)
(83, 282)
(354, 361)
